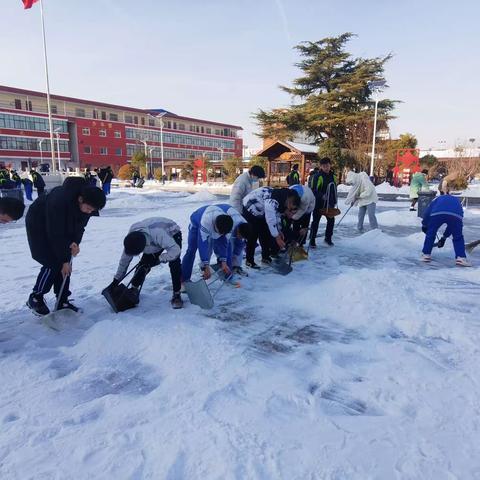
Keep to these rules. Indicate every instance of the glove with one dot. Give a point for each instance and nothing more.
(441, 242)
(114, 284)
(424, 229)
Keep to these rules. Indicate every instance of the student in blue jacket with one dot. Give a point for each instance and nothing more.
(208, 228)
(444, 210)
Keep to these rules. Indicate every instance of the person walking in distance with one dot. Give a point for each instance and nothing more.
(364, 195)
(293, 177)
(324, 186)
(418, 183)
(38, 182)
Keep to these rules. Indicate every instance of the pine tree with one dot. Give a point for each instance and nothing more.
(333, 97)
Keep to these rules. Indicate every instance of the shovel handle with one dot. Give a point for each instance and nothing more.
(62, 288)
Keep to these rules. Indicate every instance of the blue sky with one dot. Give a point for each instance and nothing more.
(222, 60)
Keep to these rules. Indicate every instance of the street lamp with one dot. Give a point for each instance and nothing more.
(221, 163)
(41, 151)
(57, 134)
(375, 88)
(160, 119)
(150, 151)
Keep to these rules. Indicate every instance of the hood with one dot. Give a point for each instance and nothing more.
(352, 178)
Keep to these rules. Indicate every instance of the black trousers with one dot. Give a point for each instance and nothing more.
(51, 276)
(51, 271)
(316, 221)
(150, 260)
(302, 222)
(258, 231)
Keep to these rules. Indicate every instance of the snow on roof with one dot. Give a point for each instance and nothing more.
(304, 147)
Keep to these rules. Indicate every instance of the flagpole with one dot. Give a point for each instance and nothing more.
(50, 122)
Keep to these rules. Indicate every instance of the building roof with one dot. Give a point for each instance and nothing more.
(304, 148)
(22, 91)
(298, 147)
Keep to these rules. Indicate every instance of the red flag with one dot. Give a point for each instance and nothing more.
(28, 3)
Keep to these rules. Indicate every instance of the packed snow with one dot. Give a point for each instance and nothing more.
(361, 363)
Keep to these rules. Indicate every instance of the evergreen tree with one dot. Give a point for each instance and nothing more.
(333, 94)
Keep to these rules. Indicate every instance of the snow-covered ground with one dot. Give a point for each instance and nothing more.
(360, 364)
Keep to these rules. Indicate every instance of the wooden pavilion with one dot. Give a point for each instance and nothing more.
(282, 155)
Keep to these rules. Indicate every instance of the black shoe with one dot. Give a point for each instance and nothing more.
(313, 245)
(176, 301)
(329, 242)
(252, 265)
(239, 271)
(67, 305)
(37, 304)
(267, 260)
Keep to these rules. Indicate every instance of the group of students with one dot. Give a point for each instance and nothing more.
(10, 179)
(273, 217)
(104, 174)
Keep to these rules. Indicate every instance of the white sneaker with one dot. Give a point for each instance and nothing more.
(462, 262)
(426, 258)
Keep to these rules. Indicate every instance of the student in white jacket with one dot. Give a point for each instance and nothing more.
(364, 195)
(243, 186)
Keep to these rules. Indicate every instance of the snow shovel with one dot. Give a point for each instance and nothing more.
(344, 215)
(470, 246)
(53, 319)
(281, 266)
(297, 251)
(120, 298)
(199, 292)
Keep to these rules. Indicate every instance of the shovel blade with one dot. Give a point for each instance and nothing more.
(199, 294)
(57, 319)
(282, 265)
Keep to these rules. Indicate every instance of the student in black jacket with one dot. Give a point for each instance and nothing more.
(293, 177)
(55, 224)
(106, 176)
(38, 182)
(324, 186)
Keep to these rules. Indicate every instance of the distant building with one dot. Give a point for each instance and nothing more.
(92, 134)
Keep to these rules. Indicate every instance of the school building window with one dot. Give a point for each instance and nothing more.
(80, 112)
(85, 131)
(118, 151)
(18, 104)
(117, 134)
(113, 117)
(87, 149)
(103, 151)
(102, 132)
(128, 119)
(104, 115)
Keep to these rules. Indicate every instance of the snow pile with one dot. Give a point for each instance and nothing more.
(392, 218)
(385, 187)
(202, 196)
(361, 363)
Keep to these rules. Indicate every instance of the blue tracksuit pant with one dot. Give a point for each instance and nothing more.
(28, 191)
(454, 228)
(106, 188)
